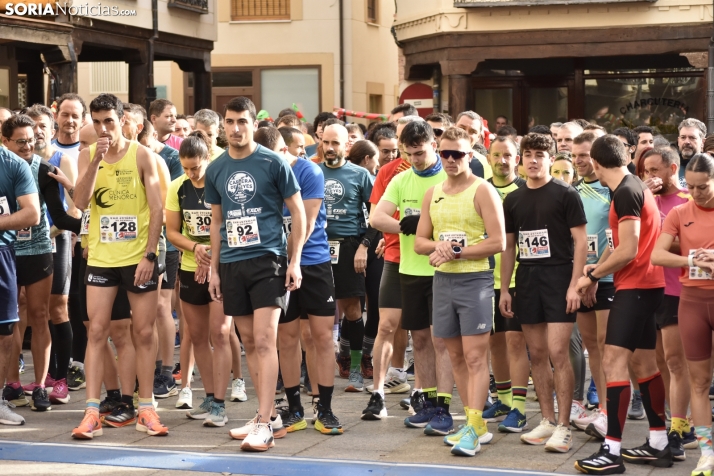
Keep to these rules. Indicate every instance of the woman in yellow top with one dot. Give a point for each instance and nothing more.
(461, 226)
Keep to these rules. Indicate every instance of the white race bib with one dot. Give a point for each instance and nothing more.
(198, 222)
(334, 251)
(54, 246)
(610, 241)
(457, 236)
(534, 244)
(695, 272)
(409, 212)
(242, 232)
(592, 247)
(4, 207)
(118, 228)
(287, 226)
(25, 234)
(85, 222)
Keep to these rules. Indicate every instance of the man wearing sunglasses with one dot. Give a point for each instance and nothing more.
(473, 125)
(439, 122)
(628, 137)
(461, 227)
(406, 192)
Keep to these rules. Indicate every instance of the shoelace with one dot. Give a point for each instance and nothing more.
(8, 404)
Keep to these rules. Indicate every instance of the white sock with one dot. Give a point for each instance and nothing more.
(79, 365)
(615, 446)
(658, 439)
(380, 392)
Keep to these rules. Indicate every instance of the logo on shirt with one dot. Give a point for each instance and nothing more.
(240, 187)
(99, 197)
(690, 223)
(334, 191)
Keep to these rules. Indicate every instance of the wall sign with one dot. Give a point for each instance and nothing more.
(533, 3)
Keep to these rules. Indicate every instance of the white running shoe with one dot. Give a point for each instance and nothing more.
(394, 382)
(598, 428)
(259, 439)
(540, 434)
(185, 398)
(242, 432)
(238, 390)
(705, 465)
(7, 416)
(561, 441)
(582, 423)
(577, 411)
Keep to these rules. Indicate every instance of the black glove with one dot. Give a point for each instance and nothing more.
(409, 224)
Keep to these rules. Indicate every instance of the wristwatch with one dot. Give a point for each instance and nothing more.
(365, 242)
(457, 251)
(592, 278)
(151, 257)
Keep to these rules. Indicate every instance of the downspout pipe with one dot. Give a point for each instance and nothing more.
(342, 56)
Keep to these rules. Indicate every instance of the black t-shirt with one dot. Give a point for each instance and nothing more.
(542, 218)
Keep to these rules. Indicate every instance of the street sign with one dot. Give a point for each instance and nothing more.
(535, 3)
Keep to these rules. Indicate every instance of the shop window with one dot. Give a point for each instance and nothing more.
(491, 103)
(547, 105)
(280, 88)
(260, 10)
(5, 88)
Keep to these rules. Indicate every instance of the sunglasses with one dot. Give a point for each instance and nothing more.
(455, 154)
(438, 132)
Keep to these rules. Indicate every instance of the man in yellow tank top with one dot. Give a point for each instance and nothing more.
(461, 226)
(120, 181)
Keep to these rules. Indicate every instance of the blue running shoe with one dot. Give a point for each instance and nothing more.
(593, 400)
(689, 441)
(515, 422)
(452, 439)
(422, 418)
(440, 424)
(497, 412)
(469, 443)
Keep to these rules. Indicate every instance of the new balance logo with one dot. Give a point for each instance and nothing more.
(330, 299)
(481, 326)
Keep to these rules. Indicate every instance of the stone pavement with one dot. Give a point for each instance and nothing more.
(387, 441)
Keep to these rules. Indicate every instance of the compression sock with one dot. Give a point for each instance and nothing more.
(505, 392)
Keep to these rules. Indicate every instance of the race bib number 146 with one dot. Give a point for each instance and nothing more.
(534, 244)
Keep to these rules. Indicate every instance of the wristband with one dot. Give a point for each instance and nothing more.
(690, 260)
(591, 277)
(194, 247)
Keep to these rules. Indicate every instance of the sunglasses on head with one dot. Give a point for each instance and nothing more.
(455, 154)
(438, 132)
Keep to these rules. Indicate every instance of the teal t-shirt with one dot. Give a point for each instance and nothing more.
(251, 192)
(171, 157)
(406, 191)
(35, 240)
(347, 190)
(16, 180)
(596, 202)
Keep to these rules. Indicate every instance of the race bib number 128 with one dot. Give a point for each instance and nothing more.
(117, 228)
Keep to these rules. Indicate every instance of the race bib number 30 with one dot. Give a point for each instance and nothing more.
(117, 228)
(457, 236)
(695, 272)
(242, 232)
(534, 244)
(592, 247)
(198, 222)
(334, 251)
(4, 207)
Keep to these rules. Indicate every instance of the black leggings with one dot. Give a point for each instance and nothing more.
(374, 277)
(77, 309)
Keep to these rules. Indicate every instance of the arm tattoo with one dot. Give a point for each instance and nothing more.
(71, 193)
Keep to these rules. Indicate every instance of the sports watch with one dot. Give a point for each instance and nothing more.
(151, 257)
(457, 252)
(366, 243)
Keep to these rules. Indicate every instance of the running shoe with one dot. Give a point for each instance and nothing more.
(441, 423)
(422, 417)
(260, 438)
(343, 365)
(645, 454)
(366, 366)
(410, 370)
(636, 411)
(356, 383)
(515, 422)
(468, 444)
(405, 403)
(561, 441)
(676, 446)
(598, 428)
(279, 385)
(327, 423)
(242, 432)
(122, 415)
(484, 436)
(279, 430)
(30, 387)
(60, 392)
(582, 423)
(315, 408)
(164, 387)
(394, 382)
(689, 440)
(75, 379)
(177, 340)
(217, 416)
(148, 422)
(416, 402)
(14, 394)
(493, 391)
(376, 409)
(577, 411)
(21, 364)
(238, 390)
(497, 412)
(203, 409)
(592, 397)
(705, 466)
(602, 462)
(40, 400)
(282, 408)
(89, 427)
(540, 434)
(49, 382)
(454, 438)
(176, 374)
(295, 421)
(107, 405)
(7, 416)
(185, 398)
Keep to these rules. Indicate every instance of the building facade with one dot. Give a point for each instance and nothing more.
(614, 62)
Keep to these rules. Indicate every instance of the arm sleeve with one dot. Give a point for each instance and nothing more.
(371, 234)
(574, 210)
(671, 223)
(628, 203)
(50, 192)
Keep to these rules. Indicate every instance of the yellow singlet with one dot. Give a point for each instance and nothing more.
(119, 218)
(455, 219)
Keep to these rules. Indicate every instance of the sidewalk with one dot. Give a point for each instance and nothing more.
(388, 444)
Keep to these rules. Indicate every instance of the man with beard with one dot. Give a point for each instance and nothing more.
(690, 142)
(70, 114)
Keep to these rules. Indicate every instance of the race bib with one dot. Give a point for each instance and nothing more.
(54, 246)
(25, 234)
(287, 226)
(457, 236)
(4, 207)
(85, 222)
(408, 212)
(695, 272)
(242, 232)
(118, 228)
(534, 244)
(610, 241)
(198, 222)
(334, 251)
(592, 247)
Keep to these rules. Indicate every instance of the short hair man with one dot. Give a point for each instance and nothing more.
(288, 120)
(554, 128)
(162, 114)
(439, 122)
(500, 122)
(294, 140)
(209, 122)
(690, 142)
(183, 128)
(566, 133)
(402, 110)
(473, 125)
(507, 131)
(71, 110)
